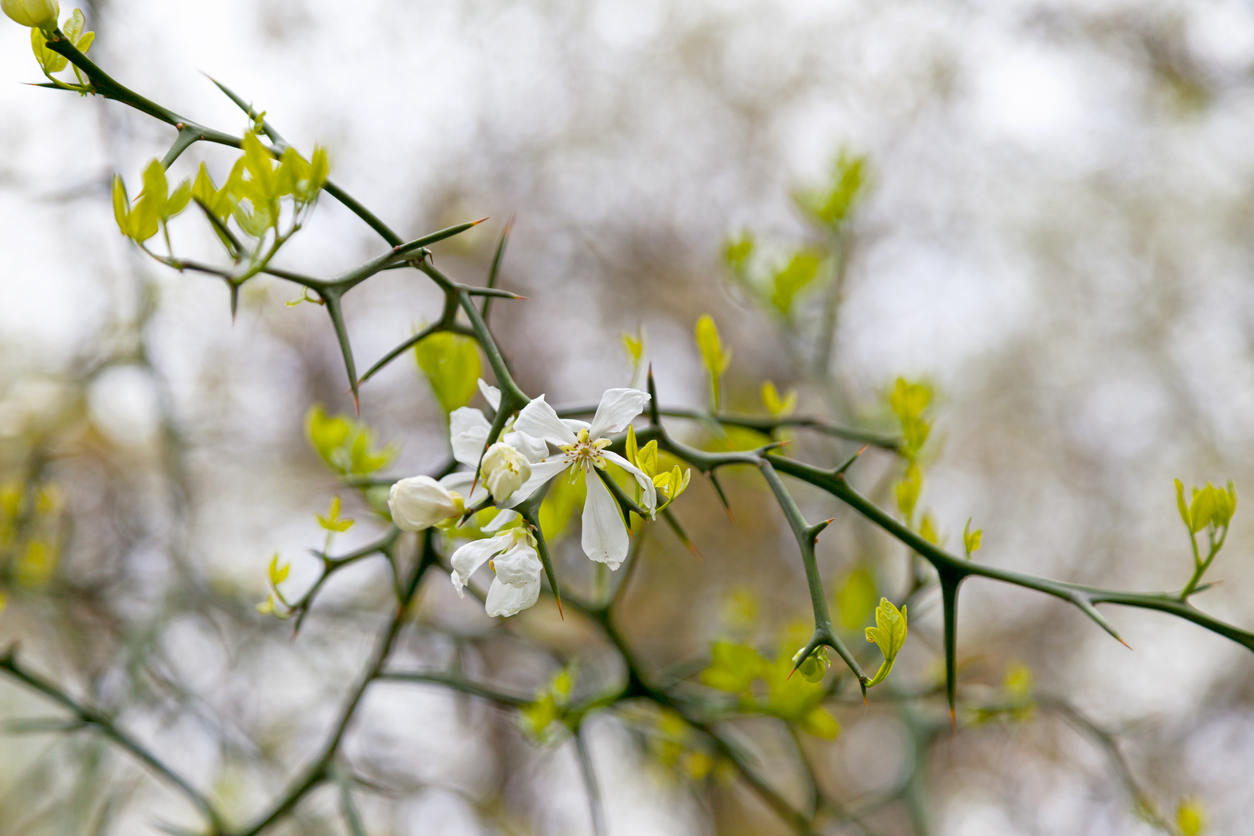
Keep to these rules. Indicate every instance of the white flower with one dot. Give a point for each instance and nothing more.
(420, 502)
(582, 447)
(512, 555)
(504, 470)
(468, 433)
(41, 13)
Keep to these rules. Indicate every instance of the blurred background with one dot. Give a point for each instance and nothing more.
(1054, 231)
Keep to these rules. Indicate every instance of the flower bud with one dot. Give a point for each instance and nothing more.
(33, 13)
(504, 470)
(420, 502)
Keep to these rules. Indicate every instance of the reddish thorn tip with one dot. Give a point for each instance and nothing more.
(790, 673)
(1124, 643)
(476, 223)
(560, 614)
(953, 720)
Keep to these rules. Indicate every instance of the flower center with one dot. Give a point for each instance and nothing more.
(584, 453)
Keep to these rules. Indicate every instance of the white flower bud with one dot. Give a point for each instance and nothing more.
(40, 13)
(420, 502)
(504, 470)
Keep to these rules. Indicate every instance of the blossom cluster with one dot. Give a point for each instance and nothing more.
(536, 447)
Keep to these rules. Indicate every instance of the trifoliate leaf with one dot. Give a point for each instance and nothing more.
(889, 635)
(971, 539)
(332, 521)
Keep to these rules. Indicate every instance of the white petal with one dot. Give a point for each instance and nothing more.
(461, 481)
(541, 472)
(537, 419)
(519, 565)
(419, 502)
(617, 408)
(504, 518)
(576, 425)
(490, 394)
(649, 500)
(535, 449)
(468, 432)
(604, 534)
(473, 555)
(506, 600)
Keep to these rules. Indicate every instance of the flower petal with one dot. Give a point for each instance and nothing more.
(617, 408)
(541, 472)
(461, 481)
(537, 419)
(649, 500)
(604, 533)
(535, 449)
(519, 565)
(473, 555)
(506, 600)
(419, 502)
(468, 433)
(490, 394)
(504, 518)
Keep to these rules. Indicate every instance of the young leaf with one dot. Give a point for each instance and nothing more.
(799, 273)
(716, 358)
(777, 406)
(971, 539)
(332, 521)
(451, 364)
(888, 634)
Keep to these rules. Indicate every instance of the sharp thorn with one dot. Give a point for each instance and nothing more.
(953, 720)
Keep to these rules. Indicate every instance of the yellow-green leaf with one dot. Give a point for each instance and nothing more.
(122, 210)
(820, 724)
(908, 490)
(737, 252)
(278, 573)
(909, 400)
(796, 276)
(332, 521)
(716, 358)
(971, 539)
(889, 635)
(778, 406)
(451, 364)
(52, 62)
(634, 346)
(733, 667)
(855, 598)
